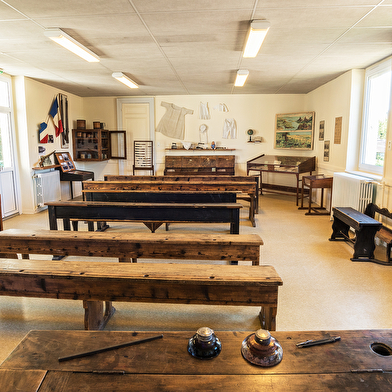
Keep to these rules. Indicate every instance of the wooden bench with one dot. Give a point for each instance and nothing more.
(131, 246)
(95, 282)
(148, 213)
(200, 164)
(365, 229)
(200, 179)
(170, 192)
(385, 233)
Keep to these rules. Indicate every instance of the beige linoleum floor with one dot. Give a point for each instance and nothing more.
(322, 289)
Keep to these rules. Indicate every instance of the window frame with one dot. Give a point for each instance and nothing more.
(374, 70)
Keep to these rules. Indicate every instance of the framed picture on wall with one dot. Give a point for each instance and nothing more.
(338, 130)
(326, 150)
(321, 130)
(65, 161)
(294, 131)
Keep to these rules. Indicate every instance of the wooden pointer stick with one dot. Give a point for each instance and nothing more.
(101, 350)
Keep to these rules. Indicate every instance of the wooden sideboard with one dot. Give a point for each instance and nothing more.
(200, 164)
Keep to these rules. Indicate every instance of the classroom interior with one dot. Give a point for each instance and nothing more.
(322, 288)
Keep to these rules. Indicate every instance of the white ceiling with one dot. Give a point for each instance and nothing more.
(193, 46)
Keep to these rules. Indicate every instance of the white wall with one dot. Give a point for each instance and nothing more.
(255, 112)
(32, 104)
(342, 97)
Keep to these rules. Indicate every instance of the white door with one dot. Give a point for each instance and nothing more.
(136, 117)
(8, 186)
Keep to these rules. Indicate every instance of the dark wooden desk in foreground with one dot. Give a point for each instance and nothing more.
(148, 213)
(365, 229)
(165, 364)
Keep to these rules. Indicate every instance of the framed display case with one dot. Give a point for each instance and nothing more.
(281, 164)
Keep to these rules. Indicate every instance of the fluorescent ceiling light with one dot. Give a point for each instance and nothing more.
(63, 39)
(124, 79)
(257, 32)
(242, 74)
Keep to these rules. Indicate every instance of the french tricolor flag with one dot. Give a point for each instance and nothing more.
(56, 116)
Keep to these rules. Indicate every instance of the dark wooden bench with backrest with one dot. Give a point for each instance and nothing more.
(385, 233)
(365, 228)
(147, 213)
(132, 246)
(95, 282)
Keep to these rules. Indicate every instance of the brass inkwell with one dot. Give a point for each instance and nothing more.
(261, 349)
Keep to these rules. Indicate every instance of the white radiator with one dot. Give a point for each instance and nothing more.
(350, 190)
(47, 187)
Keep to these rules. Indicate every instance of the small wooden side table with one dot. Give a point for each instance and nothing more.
(318, 181)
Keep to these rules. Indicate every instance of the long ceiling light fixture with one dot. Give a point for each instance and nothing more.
(257, 32)
(63, 39)
(124, 79)
(242, 75)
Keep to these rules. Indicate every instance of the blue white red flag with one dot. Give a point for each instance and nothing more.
(56, 116)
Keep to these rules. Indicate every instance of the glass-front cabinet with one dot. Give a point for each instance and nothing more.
(98, 144)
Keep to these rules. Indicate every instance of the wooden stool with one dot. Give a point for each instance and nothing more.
(314, 182)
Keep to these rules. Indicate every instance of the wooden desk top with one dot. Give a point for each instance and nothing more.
(165, 364)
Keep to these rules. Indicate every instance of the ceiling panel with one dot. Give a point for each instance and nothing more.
(193, 47)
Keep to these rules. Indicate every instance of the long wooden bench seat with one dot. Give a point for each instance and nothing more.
(148, 213)
(95, 282)
(168, 192)
(131, 246)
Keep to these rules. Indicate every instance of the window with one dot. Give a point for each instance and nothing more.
(5, 125)
(375, 117)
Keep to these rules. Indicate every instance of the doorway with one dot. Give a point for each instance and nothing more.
(136, 117)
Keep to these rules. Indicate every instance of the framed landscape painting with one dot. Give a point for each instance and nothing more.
(294, 131)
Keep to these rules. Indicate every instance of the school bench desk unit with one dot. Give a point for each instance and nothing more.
(193, 178)
(359, 361)
(172, 191)
(147, 213)
(365, 230)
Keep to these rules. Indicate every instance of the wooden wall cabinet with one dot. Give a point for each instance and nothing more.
(98, 144)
